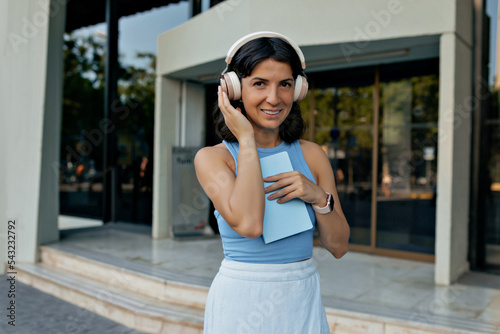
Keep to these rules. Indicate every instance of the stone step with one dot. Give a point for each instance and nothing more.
(189, 293)
(347, 316)
(130, 276)
(131, 309)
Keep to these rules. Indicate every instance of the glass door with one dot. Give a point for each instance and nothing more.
(340, 119)
(379, 128)
(82, 133)
(407, 151)
(350, 153)
(492, 196)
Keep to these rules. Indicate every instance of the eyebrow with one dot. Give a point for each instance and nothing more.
(266, 80)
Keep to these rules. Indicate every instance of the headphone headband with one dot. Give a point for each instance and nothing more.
(245, 39)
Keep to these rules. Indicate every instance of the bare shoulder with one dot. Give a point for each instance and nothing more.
(214, 155)
(311, 150)
(315, 157)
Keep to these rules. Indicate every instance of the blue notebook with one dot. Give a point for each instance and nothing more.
(286, 219)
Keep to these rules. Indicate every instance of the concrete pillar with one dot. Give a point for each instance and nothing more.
(179, 121)
(455, 105)
(194, 129)
(167, 125)
(31, 60)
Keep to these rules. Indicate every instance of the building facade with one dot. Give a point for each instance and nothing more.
(391, 101)
(394, 85)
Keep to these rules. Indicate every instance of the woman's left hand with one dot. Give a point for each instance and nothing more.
(295, 185)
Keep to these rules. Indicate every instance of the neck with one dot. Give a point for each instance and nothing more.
(267, 140)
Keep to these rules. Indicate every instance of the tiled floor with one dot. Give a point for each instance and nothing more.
(359, 282)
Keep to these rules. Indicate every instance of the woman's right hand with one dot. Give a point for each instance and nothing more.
(234, 119)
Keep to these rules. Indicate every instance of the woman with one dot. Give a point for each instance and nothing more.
(273, 287)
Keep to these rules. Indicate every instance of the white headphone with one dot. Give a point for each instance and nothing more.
(231, 83)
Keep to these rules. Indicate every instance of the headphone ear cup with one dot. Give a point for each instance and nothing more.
(301, 87)
(232, 86)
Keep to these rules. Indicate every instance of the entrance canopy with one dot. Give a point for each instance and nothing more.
(344, 37)
(320, 58)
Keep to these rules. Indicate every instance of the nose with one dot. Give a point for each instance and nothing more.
(272, 96)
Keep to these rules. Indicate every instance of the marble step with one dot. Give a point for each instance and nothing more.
(344, 316)
(347, 316)
(131, 309)
(128, 275)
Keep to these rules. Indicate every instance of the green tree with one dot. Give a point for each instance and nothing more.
(83, 99)
(83, 94)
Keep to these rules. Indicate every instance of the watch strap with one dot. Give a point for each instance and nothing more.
(327, 208)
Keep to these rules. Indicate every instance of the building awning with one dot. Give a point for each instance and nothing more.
(83, 13)
(341, 39)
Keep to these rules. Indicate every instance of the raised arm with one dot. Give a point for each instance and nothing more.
(240, 200)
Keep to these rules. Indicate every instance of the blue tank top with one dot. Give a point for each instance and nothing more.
(291, 249)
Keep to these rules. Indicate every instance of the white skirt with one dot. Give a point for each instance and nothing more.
(250, 298)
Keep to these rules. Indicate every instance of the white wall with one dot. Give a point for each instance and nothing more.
(315, 22)
(30, 114)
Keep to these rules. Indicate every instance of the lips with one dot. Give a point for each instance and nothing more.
(271, 112)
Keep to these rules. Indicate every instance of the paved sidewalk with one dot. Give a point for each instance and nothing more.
(41, 313)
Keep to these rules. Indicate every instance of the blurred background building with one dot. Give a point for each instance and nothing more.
(399, 99)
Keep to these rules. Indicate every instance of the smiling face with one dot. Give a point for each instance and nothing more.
(267, 94)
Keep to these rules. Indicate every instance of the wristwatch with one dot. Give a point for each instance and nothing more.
(327, 208)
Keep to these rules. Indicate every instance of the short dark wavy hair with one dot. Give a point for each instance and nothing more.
(243, 63)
